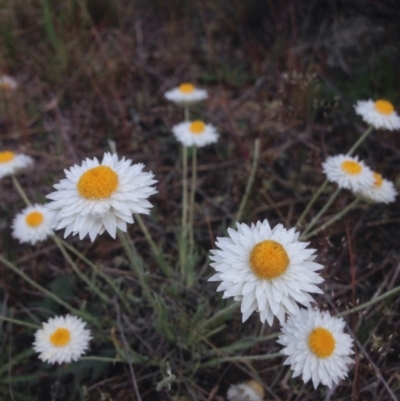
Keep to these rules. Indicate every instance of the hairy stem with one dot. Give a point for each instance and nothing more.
(135, 265)
(321, 213)
(311, 203)
(51, 295)
(256, 155)
(336, 217)
(19, 322)
(98, 271)
(78, 272)
(360, 140)
(162, 263)
(192, 196)
(20, 190)
(369, 303)
(184, 230)
(244, 358)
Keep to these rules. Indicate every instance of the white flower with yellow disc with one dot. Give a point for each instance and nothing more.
(348, 172)
(33, 224)
(186, 93)
(101, 196)
(7, 83)
(195, 133)
(247, 391)
(11, 163)
(381, 190)
(316, 346)
(62, 339)
(268, 270)
(379, 114)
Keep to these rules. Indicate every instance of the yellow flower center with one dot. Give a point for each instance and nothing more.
(321, 342)
(384, 107)
(378, 180)
(268, 260)
(6, 156)
(98, 183)
(6, 86)
(60, 337)
(351, 167)
(256, 387)
(34, 219)
(186, 88)
(197, 127)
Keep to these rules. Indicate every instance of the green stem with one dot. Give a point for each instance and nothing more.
(101, 359)
(186, 112)
(19, 322)
(14, 361)
(165, 267)
(192, 196)
(20, 190)
(360, 140)
(54, 297)
(256, 155)
(98, 271)
(219, 315)
(135, 265)
(369, 303)
(79, 273)
(332, 219)
(243, 344)
(312, 201)
(184, 232)
(238, 358)
(321, 213)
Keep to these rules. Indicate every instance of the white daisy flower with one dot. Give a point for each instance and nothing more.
(101, 196)
(62, 339)
(195, 133)
(33, 224)
(7, 84)
(269, 270)
(11, 162)
(379, 114)
(348, 172)
(186, 94)
(316, 346)
(247, 391)
(381, 190)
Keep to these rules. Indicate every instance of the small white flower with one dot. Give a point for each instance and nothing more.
(379, 114)
(101, 196)
(268, 270)
(348, 172)
(33, 224)
(316, 346)
(7, 83)
(247, 391)
(381, 190)
(11, 162)
(195, 133)
(186, 94)
(62, 339)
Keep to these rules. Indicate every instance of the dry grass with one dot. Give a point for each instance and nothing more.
(95, 71)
